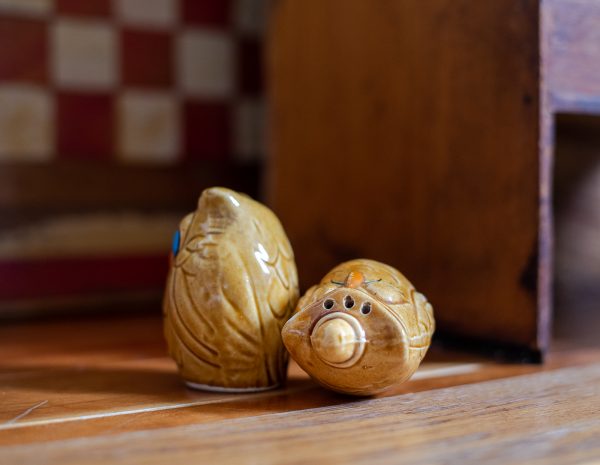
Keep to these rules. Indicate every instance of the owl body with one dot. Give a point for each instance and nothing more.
(231, 287)
(363, 329)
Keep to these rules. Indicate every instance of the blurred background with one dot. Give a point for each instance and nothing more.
(577, 228)
(115, 114)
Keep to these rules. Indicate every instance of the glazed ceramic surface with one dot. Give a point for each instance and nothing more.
(362, 330)
(231, 287)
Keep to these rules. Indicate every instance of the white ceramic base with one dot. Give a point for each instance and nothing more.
(208, 387)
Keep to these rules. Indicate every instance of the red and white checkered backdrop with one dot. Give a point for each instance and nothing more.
(117, 82)
(151, 81)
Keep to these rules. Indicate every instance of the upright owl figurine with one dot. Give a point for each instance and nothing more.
(362, 330)
(231, 287)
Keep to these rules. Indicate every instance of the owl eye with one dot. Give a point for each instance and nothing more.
(365, 309)
(348, 301)
(176, 242)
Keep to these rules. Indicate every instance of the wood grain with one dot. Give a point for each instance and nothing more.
(542, 418)
(28, 191)
(408, 133)
(104, 376)
(86, 377)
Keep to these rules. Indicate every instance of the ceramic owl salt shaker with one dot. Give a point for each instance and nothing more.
(231, 287)
(362, 330)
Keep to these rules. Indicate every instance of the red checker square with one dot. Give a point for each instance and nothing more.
(250, 71)
(207, 130)
(85, 125)
(23, 50)
(84, 8)
(146, 58)
(206, 12)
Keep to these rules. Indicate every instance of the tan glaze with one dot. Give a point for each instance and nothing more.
(362, 330)
(231, 287)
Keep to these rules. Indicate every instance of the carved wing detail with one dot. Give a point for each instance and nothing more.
(232, 288)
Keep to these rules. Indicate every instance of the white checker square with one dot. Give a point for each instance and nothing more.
(149, 127)
(250, 16)
(205, 63)
(84, 54)
(27, 7)
(157, 13)
(249, 129)
(26, 123)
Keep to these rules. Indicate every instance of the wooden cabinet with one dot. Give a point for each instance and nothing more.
(421, 134)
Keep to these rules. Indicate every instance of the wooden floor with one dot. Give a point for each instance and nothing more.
(103, 391)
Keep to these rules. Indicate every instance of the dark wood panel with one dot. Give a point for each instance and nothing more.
(72, 186)
(409, 134)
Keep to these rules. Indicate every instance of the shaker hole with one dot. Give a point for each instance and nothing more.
(366, 308)
(348, 301)
(328, 304)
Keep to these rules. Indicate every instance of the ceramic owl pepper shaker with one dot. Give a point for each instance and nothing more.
(231, 287)
(362, 330)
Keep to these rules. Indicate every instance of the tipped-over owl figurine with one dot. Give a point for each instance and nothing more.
(231, 287)
(362, 330)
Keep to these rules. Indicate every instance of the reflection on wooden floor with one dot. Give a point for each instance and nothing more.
(89, 377)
